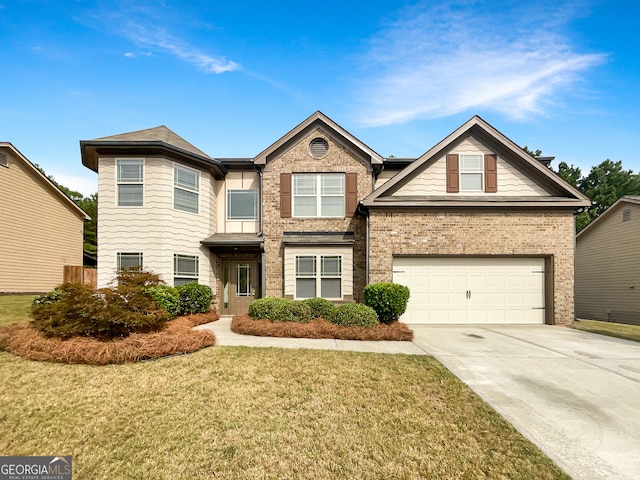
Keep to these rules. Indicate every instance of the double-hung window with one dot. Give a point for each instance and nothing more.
(186, 182)
(242, 204)
(130, 182)
(129, 261)
(318, 276)
(318, 195)
(185, 269)
(471, 172)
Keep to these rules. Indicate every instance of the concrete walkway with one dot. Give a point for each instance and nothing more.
(574, 394)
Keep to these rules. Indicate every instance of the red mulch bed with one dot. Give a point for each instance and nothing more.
(176, 337)
(319, 328)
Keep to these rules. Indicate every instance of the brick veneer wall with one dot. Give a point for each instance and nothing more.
(298, 160)
(505, 233)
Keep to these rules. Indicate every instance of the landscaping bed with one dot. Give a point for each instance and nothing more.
(175, 337)
(319, 328)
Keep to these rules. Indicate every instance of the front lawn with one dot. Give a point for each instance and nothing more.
(619, 330)
(244, 413)
(15, 308)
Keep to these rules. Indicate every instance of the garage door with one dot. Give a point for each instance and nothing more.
(464, 290)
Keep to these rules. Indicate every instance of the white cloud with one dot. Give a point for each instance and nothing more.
(130, 55)
(435, 61)
(85, 185)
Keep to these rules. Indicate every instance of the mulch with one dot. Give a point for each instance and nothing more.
(177, 337)
(319, 328)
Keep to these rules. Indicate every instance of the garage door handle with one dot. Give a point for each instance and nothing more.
(468, 294)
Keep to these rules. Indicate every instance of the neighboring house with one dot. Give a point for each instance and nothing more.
(608, 264)
(480, 231)
(40, 227)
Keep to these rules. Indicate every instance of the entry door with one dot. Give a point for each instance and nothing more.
(242, 285)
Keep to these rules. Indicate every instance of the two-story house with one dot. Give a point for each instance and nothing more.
(478, 229)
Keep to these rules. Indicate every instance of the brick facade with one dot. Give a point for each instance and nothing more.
(481, 234)
(297, 159)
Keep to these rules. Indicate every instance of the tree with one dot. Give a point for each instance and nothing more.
(570, 174)
(536, 153)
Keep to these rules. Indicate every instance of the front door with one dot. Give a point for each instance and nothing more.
(243, 282)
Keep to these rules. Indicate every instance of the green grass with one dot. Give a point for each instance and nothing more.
(619, 330)
(243, 413)
(14, 308)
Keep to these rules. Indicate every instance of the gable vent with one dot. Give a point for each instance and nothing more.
(318, 147)
(4, 160)
(626, 214)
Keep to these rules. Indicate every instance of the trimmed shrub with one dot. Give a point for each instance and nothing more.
(278, 310)
(166, 297)
(47, 298)
(354, 314)
(389, 300)
(194, 298)
(319, 307)
(262, 307)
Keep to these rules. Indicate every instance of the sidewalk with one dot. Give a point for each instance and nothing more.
(225, 337)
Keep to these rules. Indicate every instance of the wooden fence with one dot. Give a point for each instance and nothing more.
(75, 274)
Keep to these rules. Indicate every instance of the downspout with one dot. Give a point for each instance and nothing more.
(263, 273)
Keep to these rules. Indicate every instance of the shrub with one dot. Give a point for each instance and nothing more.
(389, 300)
(194, 298)
(318, 307)
(110, 312)
(278, 310)
(47, 298)
(354, 314)
(137, 278)
(166, 297)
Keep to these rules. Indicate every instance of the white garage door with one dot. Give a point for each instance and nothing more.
(471, 290)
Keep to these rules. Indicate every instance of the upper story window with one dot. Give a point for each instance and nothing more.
(186, 182)
(242, 204)
(185, 269)
(130, 261)
(318, 195)
(471, 172)
(130, 182)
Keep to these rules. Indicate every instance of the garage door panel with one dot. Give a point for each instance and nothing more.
(472, 290)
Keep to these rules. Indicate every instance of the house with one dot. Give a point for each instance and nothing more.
(477, 228)
(40, 227)
(608, 264)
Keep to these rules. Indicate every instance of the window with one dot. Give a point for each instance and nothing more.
(185, 269)
(130, 182)
(4, 160)
(186, 182)
(318, 195)
(471, 170)
(129, 261)
(318, 276)
(242, 204)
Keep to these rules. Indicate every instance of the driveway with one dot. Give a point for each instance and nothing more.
(574, 394)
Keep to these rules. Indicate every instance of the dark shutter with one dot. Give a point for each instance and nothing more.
(351, 194)
(490, 173)
(453, 177)
(285, 195)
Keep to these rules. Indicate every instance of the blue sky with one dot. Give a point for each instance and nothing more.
(232, 77)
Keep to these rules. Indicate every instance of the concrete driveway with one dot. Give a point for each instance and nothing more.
(574, 394)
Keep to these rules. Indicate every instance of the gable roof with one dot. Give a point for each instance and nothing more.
(58, 193)
(564, 193)
(150, 141)
(318, 120)
(629, 199)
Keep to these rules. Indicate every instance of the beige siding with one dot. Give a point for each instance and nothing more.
(156, 229)
(236, 181)
(432, 181)
(608, 268)
(384, 176)
(39, 232)
(290, 253)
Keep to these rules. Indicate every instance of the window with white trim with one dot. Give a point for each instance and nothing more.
(471, 172)
(130, 261)
(185, 269)
(130, 175)
(318, 276)
(318, 195)
(242, 204)
(186, 182)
